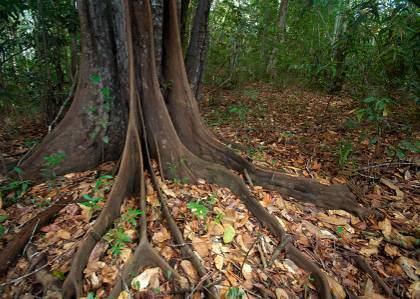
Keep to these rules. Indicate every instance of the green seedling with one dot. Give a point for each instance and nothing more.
(198, 209)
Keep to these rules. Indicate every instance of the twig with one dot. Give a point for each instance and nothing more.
(286, 240)
(367, 268)
(249, 250)
(263, 259)
(30, 238)
(200, 284)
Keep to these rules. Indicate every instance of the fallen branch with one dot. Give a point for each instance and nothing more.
(14, 248)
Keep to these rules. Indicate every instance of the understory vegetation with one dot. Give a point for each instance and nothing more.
(209, 149)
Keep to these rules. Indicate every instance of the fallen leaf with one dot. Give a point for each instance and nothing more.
(247, 271)
(228, 234)
(189, 270)
(410, 267)
(201, 245)
(336, 288)
(332, 219)
(281, 294)
(161, 236)
(391, 250)
(63, 234)
(391, 185)
(142, 281)
(218, 262)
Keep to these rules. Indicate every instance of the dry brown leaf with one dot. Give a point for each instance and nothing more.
(161, 236)
(281, 294)
(201, 246)
(148, 276)
(215, 229)
(332, 219)
(218, 262)
(189, 269)
(410, 267)
(372, 248)
(247, 271)
(336, 288)
(391, 185)
(63, 234)
(391, 250)
(414, 290)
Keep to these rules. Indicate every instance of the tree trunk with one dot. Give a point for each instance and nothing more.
(94, 126)
(272, 61)
(197, 48)
(169, 130)
(184, 23)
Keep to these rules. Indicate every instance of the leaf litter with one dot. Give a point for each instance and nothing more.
(236, 251)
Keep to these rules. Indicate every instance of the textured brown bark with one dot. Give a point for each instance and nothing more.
(89, 129)
(197, 48)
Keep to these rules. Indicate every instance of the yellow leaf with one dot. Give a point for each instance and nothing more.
(218, 262)
(229, 234)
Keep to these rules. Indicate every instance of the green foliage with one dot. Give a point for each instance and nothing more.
(361, 45)
(239, 110)
(50, 163)
(377, 109)
(2, 227)
(345, 148)
(102, 185)
(198, 209)
(403, 148)
(14, 189)
(118, 239)
(131, 216)
(235, 293)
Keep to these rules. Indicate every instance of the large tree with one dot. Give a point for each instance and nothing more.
(163, 124)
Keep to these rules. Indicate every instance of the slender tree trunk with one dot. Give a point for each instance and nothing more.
(339, 48)
(271, 65)
(197, 48)
(184, 23)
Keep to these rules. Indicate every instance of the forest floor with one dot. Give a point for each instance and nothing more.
(303, 133)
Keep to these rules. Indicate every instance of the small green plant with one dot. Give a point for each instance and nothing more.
(50, 163)
(345, 149)
(403, 148)
(198, 209)
(14, 189)
(118, 239)
(2, 227)
(102, 185)
(339, 230)
(219, 217)
(92, 295)
(235, 293)
(240, 110)
(131, 216)
(375, 112)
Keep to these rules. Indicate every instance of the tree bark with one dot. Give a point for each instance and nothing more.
(94, 126)
(197, 48)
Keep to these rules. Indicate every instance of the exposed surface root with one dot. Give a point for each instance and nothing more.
(144, 256)
(177, 234)
(363, 265)
(195, 136)
(127, 174)
(51, 285)
(14, 248)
